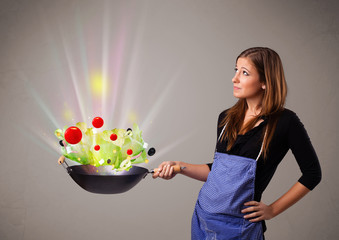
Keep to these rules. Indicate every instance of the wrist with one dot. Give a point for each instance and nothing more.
(273, 210)
(180, 164)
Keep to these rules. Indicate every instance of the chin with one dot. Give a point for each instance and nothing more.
(236, 95)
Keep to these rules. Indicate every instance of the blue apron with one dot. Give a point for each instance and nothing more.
(217, 214)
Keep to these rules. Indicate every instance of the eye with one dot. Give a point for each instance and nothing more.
(245, 73)
(236, 69)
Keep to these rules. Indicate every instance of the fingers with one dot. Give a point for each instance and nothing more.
(165, 170)
(254, 210)
(155, 174)
(252, 203)
(250, 209)
(258, 211)
(158, 170)
(258, 219)
(171, 171)
(253, 215)
(161, 166)
(255, 206)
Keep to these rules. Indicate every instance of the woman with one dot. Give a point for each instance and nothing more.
(253, 137)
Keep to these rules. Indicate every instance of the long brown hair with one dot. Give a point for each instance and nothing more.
(269, 66)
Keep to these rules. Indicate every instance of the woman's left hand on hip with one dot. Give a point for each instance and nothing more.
(258, 211)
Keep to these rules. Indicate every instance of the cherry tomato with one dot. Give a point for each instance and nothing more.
(73, 135)
(114, 137)
(129, 152)
(98, 122)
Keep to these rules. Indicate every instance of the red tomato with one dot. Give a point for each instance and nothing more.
(96, 147)
(114, 137)
(73, 135)
(98, 122)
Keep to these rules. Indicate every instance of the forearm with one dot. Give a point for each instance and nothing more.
(195, 171)
(296, 192)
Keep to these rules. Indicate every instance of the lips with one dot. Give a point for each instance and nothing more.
(236, 88)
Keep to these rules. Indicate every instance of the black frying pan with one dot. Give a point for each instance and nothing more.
(104, 180)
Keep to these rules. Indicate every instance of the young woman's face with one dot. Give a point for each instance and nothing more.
(246, 81)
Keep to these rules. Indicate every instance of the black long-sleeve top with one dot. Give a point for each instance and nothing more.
(289, 134)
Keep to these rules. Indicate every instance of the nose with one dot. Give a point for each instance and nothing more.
(235, 78)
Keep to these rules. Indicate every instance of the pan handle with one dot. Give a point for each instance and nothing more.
(176, 169)
(63, 162)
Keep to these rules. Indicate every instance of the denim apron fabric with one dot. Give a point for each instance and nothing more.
(217, 214)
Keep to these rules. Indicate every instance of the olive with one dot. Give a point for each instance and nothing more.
(151, 151)
(61, 143)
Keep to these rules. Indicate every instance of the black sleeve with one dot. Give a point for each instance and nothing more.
(304, 153)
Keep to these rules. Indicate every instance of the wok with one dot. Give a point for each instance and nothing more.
(105, 180)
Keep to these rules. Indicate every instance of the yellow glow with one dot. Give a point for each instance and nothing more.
(98, 82)
(146, 161)
(67, 113)
(132, 117)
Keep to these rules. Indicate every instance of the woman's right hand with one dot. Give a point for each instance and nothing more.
(196, 171)
(165, 170)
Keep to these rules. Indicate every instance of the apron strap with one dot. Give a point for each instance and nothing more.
(262, 144)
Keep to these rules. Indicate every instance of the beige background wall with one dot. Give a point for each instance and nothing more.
(170, 64)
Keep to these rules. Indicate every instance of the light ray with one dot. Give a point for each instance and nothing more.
(160, 100)
(128, 98)
(74, 77)
(39, 138)
(39, 101)
(85, 66)
(162, 152)
(117, 66)
(105, 56)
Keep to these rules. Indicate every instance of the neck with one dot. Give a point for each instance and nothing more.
(254, 106)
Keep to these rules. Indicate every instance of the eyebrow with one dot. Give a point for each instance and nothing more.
(246, 69)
